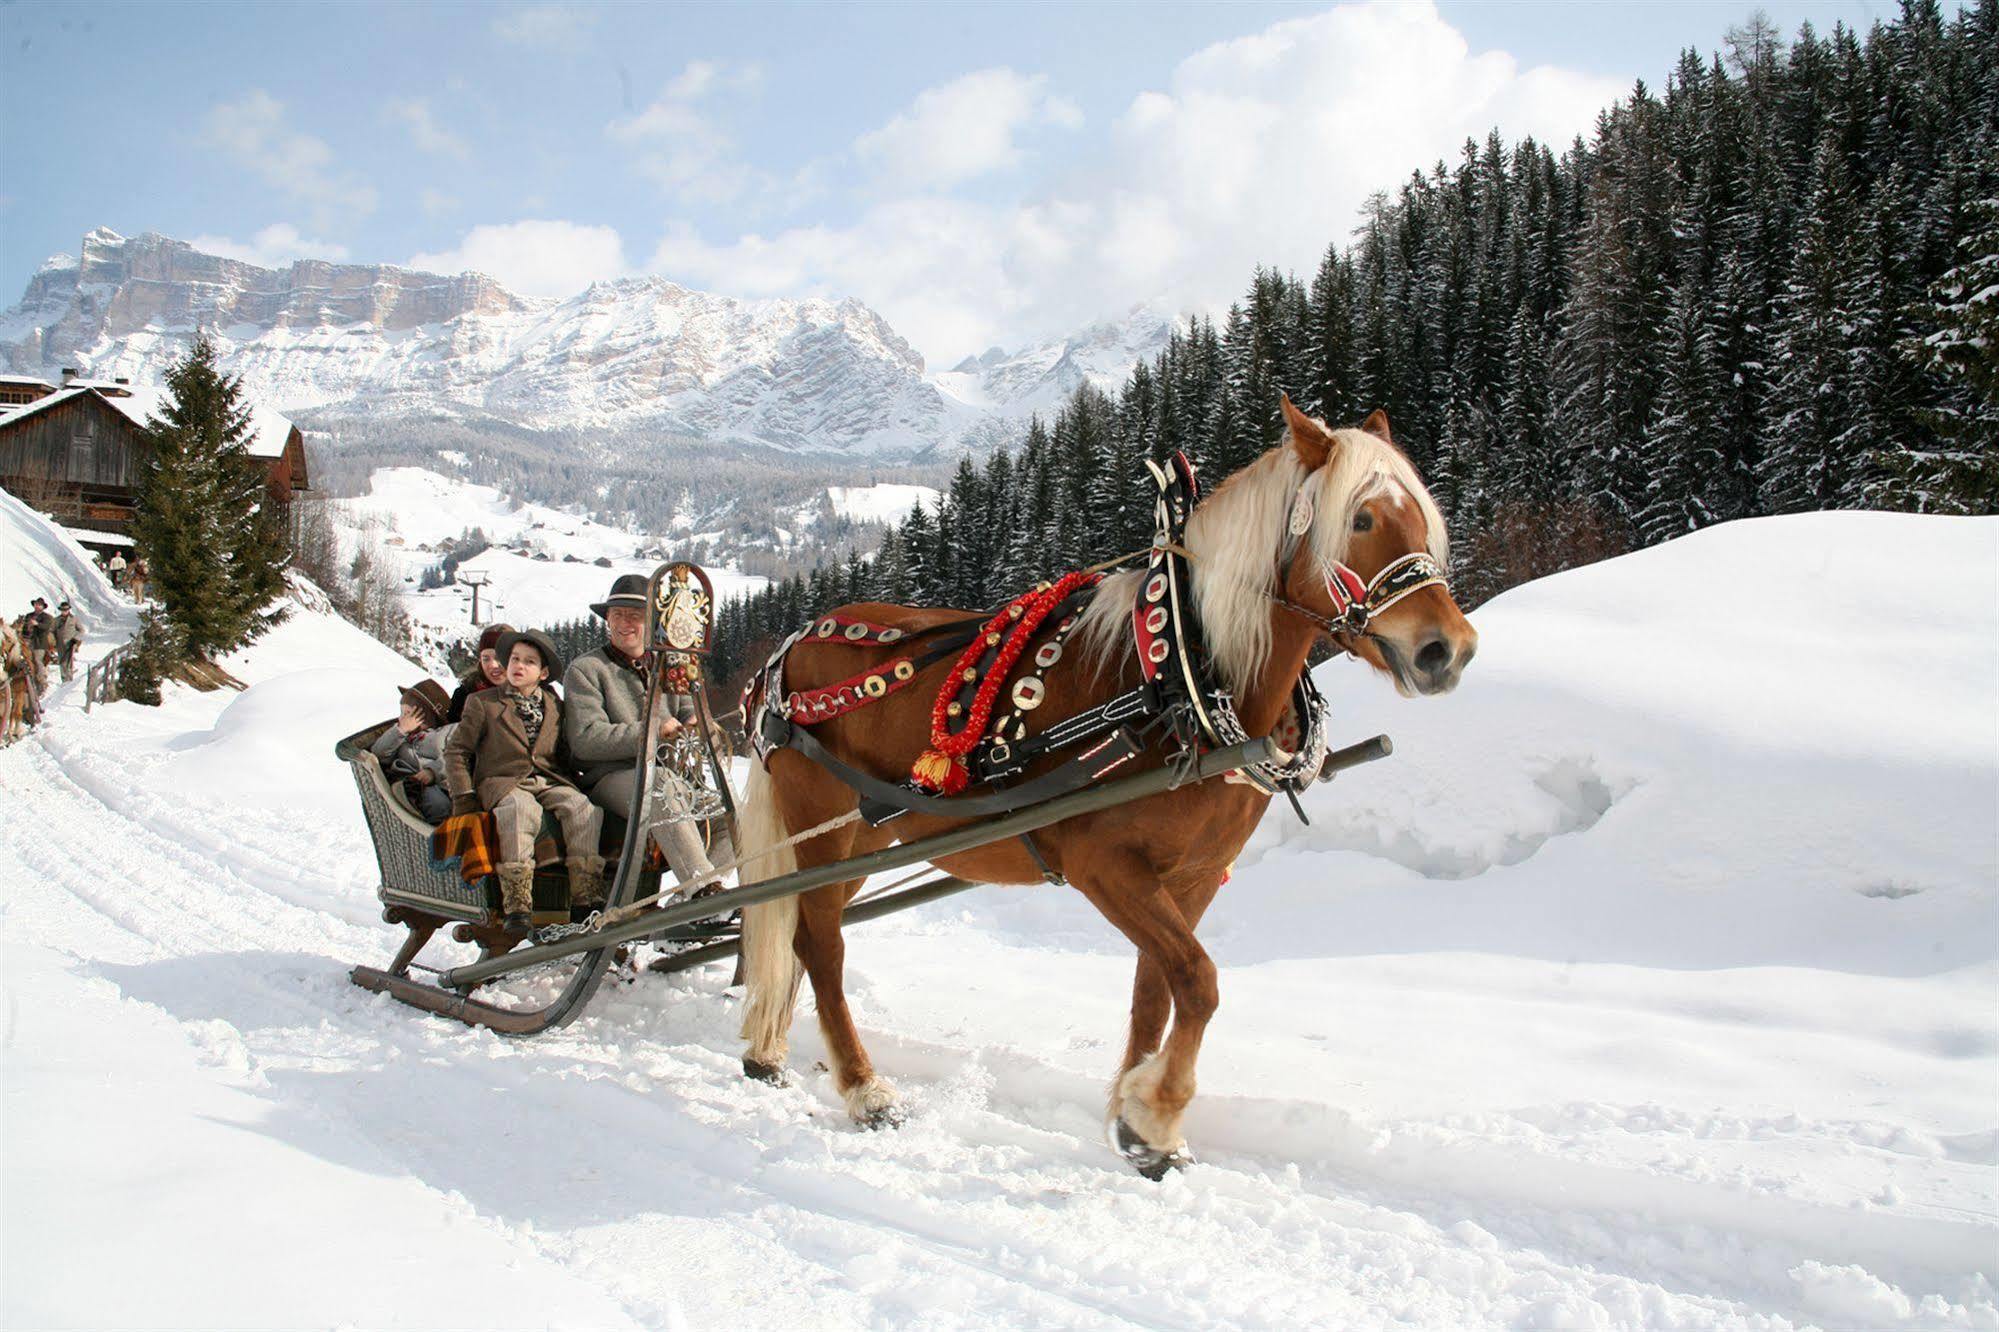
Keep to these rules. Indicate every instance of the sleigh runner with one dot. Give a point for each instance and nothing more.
(1120, 734)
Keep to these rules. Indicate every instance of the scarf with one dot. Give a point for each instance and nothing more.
(531, 712)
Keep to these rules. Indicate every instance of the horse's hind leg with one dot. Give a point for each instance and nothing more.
(871, 1100)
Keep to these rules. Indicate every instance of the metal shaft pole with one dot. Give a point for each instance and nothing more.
(875, 862)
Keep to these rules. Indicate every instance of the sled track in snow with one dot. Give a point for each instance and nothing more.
(632, 1133)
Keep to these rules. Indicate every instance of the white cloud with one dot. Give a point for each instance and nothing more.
(534, 257)
(704, 77)
(679, 143)
(1257, 150)
(546, 27)
(415, 115)
(273, 247)
(254, 131)
(963, 128)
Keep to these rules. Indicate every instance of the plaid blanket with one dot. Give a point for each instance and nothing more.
(470, 844)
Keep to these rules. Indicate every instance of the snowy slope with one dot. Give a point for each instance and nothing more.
(1651, 984)
(884, 502)
(542, 567)
(39, 559)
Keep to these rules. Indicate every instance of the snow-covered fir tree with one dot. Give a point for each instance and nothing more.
(215, 550)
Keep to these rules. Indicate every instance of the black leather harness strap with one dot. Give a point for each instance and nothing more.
(882, 800)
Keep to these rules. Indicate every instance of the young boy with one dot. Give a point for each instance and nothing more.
(412, 751)
(508, 757)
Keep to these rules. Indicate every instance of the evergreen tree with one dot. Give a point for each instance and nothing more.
(1807, 465)
(918, 543)
(215, 550)
(1028, 557)
(1961, 474)
(1331, 374)
(971, 541)
(1685, 442)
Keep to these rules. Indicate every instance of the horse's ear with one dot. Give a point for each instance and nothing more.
(1311, 441)
(1376, 424)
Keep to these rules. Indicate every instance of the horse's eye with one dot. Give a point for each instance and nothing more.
(1363, 521)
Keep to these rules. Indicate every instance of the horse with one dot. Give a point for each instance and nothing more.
(16, 685)
(1151, 866)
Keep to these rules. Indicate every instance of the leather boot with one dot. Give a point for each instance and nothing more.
(586, 881)
(517, 898)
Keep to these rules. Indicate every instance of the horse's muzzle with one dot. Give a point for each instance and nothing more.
(1433, 668)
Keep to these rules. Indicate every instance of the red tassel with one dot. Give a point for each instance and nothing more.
(940, 772)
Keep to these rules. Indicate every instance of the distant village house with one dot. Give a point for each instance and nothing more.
(77, 452)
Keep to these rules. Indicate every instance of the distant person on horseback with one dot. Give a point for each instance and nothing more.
(607, 699)
(489, 671)
(136, 582)
(68, 631)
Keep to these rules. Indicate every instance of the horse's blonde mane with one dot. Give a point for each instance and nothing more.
(1235, 535)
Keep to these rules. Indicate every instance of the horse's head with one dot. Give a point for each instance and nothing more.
(1366, 554)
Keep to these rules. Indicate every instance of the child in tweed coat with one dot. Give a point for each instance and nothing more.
(508, 757)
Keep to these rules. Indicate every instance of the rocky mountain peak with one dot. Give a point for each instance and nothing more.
(638, 356)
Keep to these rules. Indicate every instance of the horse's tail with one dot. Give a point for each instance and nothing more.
(770, 967)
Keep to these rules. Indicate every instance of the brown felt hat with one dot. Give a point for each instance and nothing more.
(430, 696)
(539, 641)
(491, 636)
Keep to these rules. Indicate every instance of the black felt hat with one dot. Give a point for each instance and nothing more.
(541, 643)
(629, 590)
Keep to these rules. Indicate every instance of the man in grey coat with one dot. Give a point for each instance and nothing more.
(605, 721)
(69, 636)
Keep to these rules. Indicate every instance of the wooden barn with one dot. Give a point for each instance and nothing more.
(18, 389)
(77, 453)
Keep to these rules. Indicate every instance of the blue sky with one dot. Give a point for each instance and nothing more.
(979, 173)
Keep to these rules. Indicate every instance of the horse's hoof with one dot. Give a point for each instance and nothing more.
(770, 1073)
(873, 1104)
(887, 1117)
(1146, 1159)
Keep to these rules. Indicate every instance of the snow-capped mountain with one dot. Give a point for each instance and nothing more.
(636, 357)
(1037, 380)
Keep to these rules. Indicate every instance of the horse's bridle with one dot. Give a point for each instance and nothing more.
(1355, 602)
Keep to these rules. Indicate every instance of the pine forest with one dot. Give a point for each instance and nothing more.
(1768, 286)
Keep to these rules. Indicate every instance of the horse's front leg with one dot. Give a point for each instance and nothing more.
(1151, 1002)
(871, 1099)
(1150, 1098)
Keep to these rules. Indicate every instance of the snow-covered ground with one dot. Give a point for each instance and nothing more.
(542, 567)
(1654, 982)
(40, 559)
(883, 502)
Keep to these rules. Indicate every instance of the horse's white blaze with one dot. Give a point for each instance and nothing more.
(770, 967)
(1236, 533)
